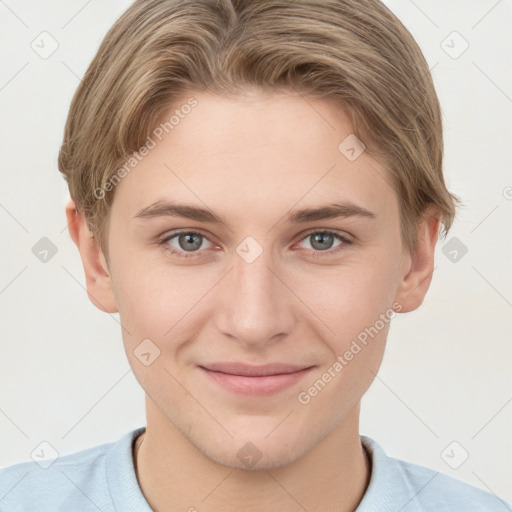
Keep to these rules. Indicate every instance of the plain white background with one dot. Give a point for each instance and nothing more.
(446, 376)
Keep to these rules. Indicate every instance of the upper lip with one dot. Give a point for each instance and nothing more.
(254, 371)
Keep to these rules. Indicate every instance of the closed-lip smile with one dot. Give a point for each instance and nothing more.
(262, 380)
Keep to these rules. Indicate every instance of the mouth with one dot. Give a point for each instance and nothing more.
(255, 381)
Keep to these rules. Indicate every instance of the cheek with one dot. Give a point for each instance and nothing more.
(159, 303)
(356, 307)
(153, 302)
(351, 298)
(147, 291)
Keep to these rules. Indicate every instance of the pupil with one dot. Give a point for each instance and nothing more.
(189, 238)
(320, 237)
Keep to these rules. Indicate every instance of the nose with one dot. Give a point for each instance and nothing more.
(255, 306)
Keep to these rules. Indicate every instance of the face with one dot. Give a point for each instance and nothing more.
(256, 278)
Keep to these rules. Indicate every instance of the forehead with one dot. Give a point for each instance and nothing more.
(254, 153)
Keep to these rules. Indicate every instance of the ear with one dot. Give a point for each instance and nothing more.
(419, 267)
(97, 275)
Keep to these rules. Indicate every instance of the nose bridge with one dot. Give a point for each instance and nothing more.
(255, 305)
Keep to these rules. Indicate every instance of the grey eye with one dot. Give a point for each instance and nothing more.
(321, 241)
(189, 241)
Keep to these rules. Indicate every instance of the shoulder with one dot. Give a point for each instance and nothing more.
(76, 481)
(412, 487)
(438, 491)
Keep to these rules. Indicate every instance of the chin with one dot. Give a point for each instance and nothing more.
(250, 457)
(256, 450)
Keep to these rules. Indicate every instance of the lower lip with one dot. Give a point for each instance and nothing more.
(256, 386)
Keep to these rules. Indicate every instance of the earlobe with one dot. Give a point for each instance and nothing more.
(417, 274)
(97, 275)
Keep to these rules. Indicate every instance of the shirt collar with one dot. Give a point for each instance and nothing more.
(388, 490)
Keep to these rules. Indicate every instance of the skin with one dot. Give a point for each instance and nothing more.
(252, 160)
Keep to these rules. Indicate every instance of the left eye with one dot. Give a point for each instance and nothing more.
(191, 242)
(322, 241)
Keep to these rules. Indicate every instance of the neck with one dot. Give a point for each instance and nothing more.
(174, 475)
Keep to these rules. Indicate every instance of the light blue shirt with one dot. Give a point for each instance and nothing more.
(103, 478)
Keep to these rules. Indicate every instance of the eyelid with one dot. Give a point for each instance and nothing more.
(341, 234)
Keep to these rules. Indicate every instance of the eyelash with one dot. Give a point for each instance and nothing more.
(316, 254)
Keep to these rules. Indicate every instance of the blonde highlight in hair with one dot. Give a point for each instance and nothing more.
(356, 53)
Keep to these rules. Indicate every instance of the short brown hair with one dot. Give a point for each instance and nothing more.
(355, 52)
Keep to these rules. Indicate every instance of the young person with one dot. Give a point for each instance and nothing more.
(254, 185)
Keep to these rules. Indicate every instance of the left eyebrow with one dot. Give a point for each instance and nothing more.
(331, 211)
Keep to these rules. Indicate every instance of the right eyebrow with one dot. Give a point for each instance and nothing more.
(172, 209)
